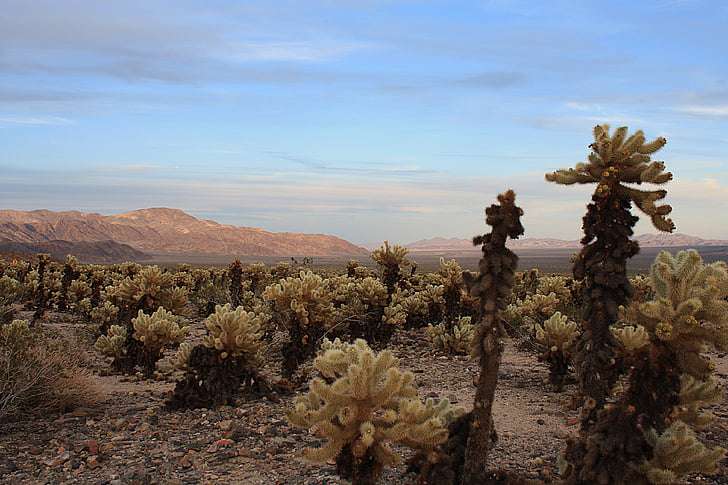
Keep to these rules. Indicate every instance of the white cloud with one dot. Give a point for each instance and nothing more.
(709, 111)
(34, 120)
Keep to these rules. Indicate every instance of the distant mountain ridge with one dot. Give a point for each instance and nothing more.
(645, 240)
(165, 230)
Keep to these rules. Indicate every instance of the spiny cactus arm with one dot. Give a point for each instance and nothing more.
(632, 339)
(646, 200)
(677, 452)
(571, 176)
(694, 395)
(113, 344)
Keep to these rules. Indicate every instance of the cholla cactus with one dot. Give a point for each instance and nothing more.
(668, 384)
(451, 275)
(10, 292)
(148, 290)
(104, 315)
(156, 331)
(632, 338)
(454, 340)
(694, 395)
(181, 359)
(556, 285)
(615, 163)
(114, 343)
(690, 308)
(676, 452)
(234, 332)
(304, 306)
(366, 404)
(557, 336)
(391, 261)
(617, 160)
(227, 358)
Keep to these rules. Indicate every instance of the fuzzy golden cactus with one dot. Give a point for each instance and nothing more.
(149, 289)
(158, 330)
(557, 336)
(391, 261)
(617, 160)
(677, 452)
(306, 296)
(105, 314)
(690, 309)
(366, 405)
(454, 340)
(632, 338)
(304, 306)
(181, 358)
(694, 395)
(234, 332)
(113, 343)
(557, 333)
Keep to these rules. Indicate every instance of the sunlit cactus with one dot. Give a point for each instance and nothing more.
(234, 332)
(556, 336)
(303, 305)
(631, 338)
(157, 331)
(227, 358)
(148, 290)
(617, 160)
(676, 452)
(617, 163)
(391, 260)
(454, 339)
(669, 381)
(363, 405)
(113, 344)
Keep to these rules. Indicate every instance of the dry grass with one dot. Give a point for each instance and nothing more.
(42, 374)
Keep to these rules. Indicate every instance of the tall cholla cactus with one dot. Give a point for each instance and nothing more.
(646, 436)
(391, 260)
(70, 273)
(363, 404)
(557, 336)
(228, 357)
(492, 287)
(235, 275)
(304, 306)
(615, 162)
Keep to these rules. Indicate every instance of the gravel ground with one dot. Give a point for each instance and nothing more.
(131, 439)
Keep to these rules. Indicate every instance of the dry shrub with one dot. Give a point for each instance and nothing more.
(41, 373)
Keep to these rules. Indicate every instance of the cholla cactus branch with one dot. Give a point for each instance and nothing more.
(366, 404)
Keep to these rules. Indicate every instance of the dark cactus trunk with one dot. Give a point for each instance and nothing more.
(602, 265)
(236, 279)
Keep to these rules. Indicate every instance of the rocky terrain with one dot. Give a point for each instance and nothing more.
(130, 439)
(162, 230)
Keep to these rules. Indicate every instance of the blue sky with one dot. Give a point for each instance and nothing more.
(364, 119)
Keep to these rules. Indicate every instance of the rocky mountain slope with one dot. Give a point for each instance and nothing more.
(163, 230)
(86, 251)
(645, 240)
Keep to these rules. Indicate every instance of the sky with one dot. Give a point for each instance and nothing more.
(367, 119)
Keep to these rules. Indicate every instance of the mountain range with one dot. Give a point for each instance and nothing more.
(645, 240)
(166, 231)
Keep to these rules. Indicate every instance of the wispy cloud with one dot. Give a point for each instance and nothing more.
(34, 120)
(719, 111)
